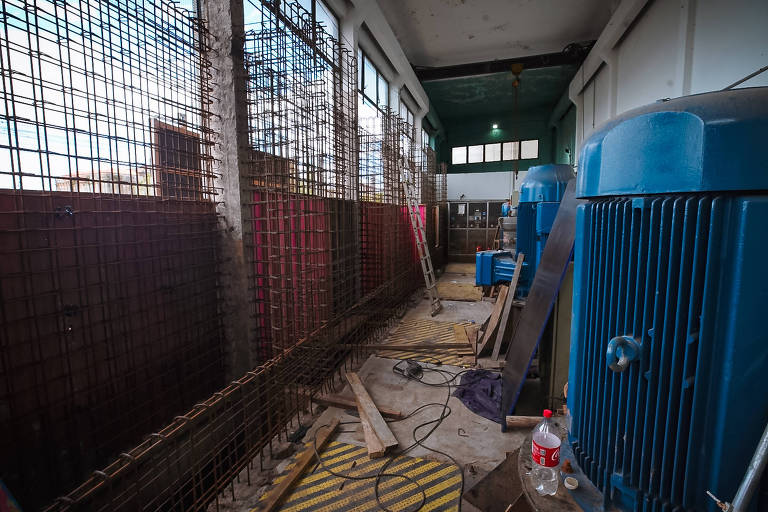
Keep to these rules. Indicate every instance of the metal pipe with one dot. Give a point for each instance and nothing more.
(753, 474)
(751, 75)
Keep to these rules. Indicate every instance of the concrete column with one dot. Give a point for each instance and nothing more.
(394, 93)
(230, 125)
(417, 120)
(349, 25)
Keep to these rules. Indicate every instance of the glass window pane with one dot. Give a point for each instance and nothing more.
(306, 4)
(459, 155)
(529, 149)
(383, 92)
(328, 21)
(493, 152)
(475, 154)
(369, 79)
(510, 150)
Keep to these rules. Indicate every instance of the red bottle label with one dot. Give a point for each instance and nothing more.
(549, 457)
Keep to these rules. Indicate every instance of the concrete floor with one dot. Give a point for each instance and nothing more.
(454, 311)
(479, 448)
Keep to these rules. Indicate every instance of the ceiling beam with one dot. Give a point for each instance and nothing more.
(574, 53)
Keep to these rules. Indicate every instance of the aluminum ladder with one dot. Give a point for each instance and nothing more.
(417, 225)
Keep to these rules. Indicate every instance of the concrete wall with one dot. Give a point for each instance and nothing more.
(481, 185)
(653, 49)
(497, 180)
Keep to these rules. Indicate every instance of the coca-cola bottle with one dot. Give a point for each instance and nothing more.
(545, 453)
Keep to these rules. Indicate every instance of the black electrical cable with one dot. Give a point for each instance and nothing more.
(449, 378)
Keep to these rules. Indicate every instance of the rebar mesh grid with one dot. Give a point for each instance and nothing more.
(195, 458)
(302, 176)
(104, 97)
(108, 236)
(331, 259)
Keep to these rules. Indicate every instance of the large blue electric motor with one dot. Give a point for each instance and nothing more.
(540, 195)
(669, 350)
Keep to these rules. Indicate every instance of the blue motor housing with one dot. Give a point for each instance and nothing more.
(670, 273)
(540, 195)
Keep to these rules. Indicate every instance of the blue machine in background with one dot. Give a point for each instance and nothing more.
(669, 348)
(540, 195)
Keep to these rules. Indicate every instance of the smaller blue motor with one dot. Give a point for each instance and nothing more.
(540, 195)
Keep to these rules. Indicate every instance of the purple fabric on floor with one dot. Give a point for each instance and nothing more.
(480, 391)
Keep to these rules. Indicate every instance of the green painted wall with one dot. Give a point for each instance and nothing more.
(565, 138)
(478, 130)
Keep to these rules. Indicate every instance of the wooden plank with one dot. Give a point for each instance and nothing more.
(459, 291)
(489, 364)
(350, 403)
(415, 346)
(276, 495)
(460, 268)
(375, 445)
(493, 321)
(523, 421)
(374, 427)
(459, 334)
(504, 323)
(472, 331)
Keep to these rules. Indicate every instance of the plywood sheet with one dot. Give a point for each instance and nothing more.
(423, 332)
(448, 290)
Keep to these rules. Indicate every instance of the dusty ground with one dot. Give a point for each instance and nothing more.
(476, 443)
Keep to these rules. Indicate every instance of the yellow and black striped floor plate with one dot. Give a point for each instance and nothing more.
(319, 490)
(429, 331)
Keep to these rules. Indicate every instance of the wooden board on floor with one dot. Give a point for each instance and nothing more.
(460, 268)
(448, 290)
(349, 403)
(276, 495)
(413, 346)
(523, 421)
(378, 437)
(460, 334)
(422, 332)
(472, 333)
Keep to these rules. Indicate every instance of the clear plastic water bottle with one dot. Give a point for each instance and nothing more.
(545, 453)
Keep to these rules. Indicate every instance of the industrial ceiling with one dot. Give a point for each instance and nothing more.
(437, 33)
(493, 93)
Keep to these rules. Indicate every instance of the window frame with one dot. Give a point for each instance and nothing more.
(485, 151)
(453, 150)
(482, 153)
(516, 144)
(520, 155)
(377, 79)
